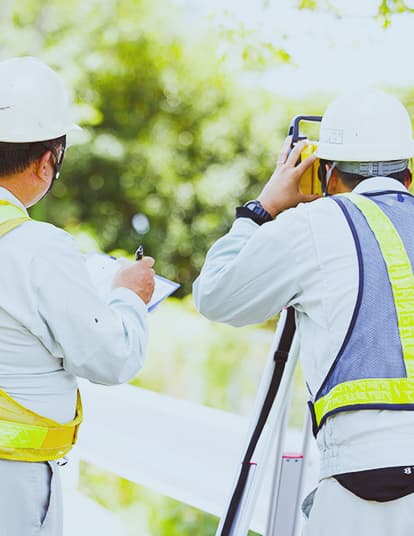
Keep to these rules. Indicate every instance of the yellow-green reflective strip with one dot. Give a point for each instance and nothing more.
(370, 391)
(9, 225)
(20, 436)
(11, 216)
(399, 271)
(10, 212)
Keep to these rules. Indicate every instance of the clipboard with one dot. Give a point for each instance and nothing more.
(102, 269)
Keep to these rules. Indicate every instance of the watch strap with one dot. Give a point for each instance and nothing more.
(254, 211)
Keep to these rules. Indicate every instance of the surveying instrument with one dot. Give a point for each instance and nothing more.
(269, 423)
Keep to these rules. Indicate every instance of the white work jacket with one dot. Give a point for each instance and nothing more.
(53, 324)
(306, 258)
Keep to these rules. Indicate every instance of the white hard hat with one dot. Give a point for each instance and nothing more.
(369, 126)
(34, 104)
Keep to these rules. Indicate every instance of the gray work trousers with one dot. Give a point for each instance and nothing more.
(338, 512)
(30, 499)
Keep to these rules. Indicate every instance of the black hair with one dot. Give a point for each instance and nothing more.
(16, 157)
(351, 180)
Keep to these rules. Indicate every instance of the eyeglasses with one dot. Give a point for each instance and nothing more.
(58, 153)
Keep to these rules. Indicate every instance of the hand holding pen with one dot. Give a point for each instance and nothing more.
(138, 277)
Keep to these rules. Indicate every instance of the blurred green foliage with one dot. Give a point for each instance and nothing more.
(388, 8)
(385, 8)
(167, 131)
(210, 363)
(145, 512)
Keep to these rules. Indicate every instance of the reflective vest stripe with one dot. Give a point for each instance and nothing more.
(8, 211)
(380, 392)
(376, 392)
(24, 434)
(399, 271)
(32, 430)
(17, 435)
(11, 216)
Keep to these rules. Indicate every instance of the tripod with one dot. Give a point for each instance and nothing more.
(270, 416)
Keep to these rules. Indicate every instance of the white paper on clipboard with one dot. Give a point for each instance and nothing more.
(102, 269)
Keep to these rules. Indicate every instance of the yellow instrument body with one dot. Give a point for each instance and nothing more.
(310, 183)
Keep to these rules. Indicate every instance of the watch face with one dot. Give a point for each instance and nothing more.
(252, 205)
(256, 207)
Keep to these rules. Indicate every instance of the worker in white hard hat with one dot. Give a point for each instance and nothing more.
(344, 262)
(53, 324)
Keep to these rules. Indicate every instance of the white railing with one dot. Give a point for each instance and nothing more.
(174, 447)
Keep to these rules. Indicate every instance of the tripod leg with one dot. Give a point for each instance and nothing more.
(241, 520)
(287, 490)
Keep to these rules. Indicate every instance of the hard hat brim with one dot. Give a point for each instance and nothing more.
(363, 153)
(49, 135)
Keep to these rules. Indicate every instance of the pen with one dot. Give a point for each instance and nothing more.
(139, 252)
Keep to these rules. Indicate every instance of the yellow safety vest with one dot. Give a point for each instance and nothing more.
(380, 392)
(24, 434)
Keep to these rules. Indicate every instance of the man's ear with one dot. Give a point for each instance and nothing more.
(336, 184)
(44, 166)
(408, 178)
(333, 180)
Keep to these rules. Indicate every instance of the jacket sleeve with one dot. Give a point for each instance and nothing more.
(251, 273)
(104, 342)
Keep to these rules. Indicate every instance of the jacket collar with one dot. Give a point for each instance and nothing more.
(378, 184)
(5, 195)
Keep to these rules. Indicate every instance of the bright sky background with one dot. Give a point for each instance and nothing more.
(330, 52)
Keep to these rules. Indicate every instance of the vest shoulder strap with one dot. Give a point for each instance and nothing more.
(11, 216)
(399, 270)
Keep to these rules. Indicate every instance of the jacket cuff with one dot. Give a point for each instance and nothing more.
(126, 295)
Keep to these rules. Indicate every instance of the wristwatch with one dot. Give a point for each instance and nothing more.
(254, 210)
